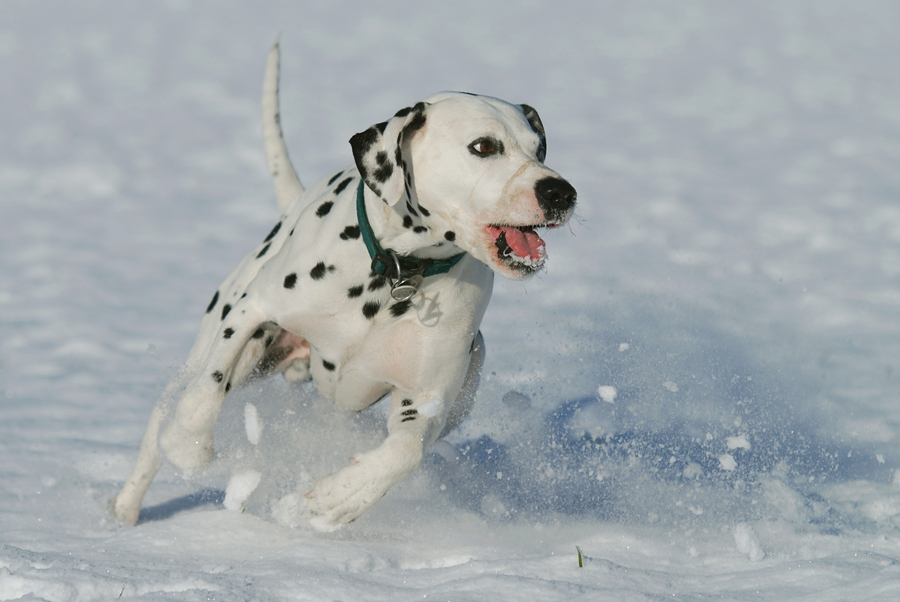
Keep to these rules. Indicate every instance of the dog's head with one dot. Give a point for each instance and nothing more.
(470, 170)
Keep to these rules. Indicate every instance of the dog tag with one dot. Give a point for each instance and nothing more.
(404, 289)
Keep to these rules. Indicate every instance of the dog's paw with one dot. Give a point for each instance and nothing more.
(297, 371)
(341, 497)
(124, 511)
(187, 451)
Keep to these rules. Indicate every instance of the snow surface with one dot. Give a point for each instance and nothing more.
(733, 274)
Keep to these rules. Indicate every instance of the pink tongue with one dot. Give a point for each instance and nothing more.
(526, 244)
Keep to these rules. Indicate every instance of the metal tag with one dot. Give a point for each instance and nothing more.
(404, 289)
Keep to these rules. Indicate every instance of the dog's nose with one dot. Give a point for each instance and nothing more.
(555, 197)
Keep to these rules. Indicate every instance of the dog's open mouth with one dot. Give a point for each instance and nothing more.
(519, 247)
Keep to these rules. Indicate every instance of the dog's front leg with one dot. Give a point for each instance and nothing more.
(339, 498)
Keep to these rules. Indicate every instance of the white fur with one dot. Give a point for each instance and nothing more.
(294, 304)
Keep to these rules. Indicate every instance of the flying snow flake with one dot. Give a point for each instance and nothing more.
(240, 486)
(253, 423)
(747, 542)
(671, 386)
(607, 393)
(727, 462)
(431, 408)
(739, 442)
(692, 470)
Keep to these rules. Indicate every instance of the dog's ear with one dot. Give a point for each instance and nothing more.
(382, 153)
(535, 120)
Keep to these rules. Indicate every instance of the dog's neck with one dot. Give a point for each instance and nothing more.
(405, 230)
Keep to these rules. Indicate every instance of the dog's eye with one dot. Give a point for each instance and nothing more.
(486, 147)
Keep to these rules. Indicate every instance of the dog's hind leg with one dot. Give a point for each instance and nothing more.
(187, 440)
(240, 345)
(288, 355)
(126, 506)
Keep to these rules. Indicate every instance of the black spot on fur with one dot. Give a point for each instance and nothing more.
(420, 229)
(258, 333)
(227, 387)
(381, 126)
(290, 280)
(273, 232)
(350, 232)
(385, 167)
(370, 309)
(355, 291)
(409, 206)
(398, 309)
(291, 233)
(403, 112)
(407, 221)
(217, 376)
(264, 249)
(324, 208)
(363, 141)
(416, 122)
(406, 402)
(534, 120)
(335, 177)
(328, 366)
(398, 155)
(228, 332)
(450, 235)
(225, 309)
(318, 272)
(212, 303)
(340, 187)
(408, 418)
(409, 413)
(269, 340)
(424, 211)
(377, 283)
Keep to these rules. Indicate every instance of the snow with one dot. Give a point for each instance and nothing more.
(733, 274)
(252, 423)
(607, 393)
(240, 487)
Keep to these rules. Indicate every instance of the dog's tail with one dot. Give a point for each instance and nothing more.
(287, 185)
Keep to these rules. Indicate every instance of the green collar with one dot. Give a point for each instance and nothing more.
(388, 262)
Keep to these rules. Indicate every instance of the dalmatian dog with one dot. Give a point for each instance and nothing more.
(373, 283)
